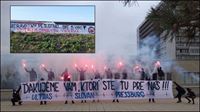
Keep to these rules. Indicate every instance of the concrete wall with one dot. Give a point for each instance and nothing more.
(6, 94)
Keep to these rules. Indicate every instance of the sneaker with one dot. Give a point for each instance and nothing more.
(113, 100)
(65, 102)
(178, 101)
(85, 101)
(81, 101)
(72, 101)
(20, 103)
(117, 100)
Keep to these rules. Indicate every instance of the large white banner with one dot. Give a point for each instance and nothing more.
(52, 28)
(96, 89)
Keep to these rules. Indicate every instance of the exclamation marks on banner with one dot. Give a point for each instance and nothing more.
(165, 85)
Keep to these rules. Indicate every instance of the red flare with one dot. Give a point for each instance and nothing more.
(62, 78)
(137, 68)
(105, 67)
(92, 67)
(43, 65)
(75, 65)
(24, 65)
(157, 64)
(120, 63)
(69, 77)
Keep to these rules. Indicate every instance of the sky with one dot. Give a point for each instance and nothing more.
(54, 13)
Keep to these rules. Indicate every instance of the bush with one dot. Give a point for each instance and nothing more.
(51, 43)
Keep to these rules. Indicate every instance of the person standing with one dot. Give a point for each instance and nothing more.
(161, 73)
(116, 76)
(82, 76)
(143, 74)
(66, 77)
(50, 74)
(33, 74)
(151, 88)
(124, 74)
(96, 77)
(109, 74)
(43, 88)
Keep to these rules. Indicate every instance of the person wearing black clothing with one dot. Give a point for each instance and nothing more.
(116, 76)
(66, 77)
(143, 74)
(108, 74)
(154, 76)
(41, 102)
(33, 75)
(151, 88)
(50, 74)
(161, 74)
(190, 94)
(181, 91)
(97, 76)
(16, 96)
(124, 74)
(82, 76)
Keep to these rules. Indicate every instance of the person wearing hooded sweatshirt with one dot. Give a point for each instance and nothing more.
(181, 91)
(190, 94)
(16, 96)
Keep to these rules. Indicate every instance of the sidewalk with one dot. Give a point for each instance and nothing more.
(126, 105)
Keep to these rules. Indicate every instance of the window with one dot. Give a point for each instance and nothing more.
(191, 78)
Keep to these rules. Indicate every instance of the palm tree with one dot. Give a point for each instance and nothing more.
(175, 18)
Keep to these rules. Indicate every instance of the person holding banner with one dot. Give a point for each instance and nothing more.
(116, 76)
(33, 75)
(43, 88)
(151, 88)
(97, 76)
(66, 77)
(82, 76)
(50, 74)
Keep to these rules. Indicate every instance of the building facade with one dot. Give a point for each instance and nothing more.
(180, 57)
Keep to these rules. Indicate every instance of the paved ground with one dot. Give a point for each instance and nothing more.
(128, 105)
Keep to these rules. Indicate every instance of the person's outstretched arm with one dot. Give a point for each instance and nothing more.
(26, 69)
(77, 69)
(46, 70)
(19, 89)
